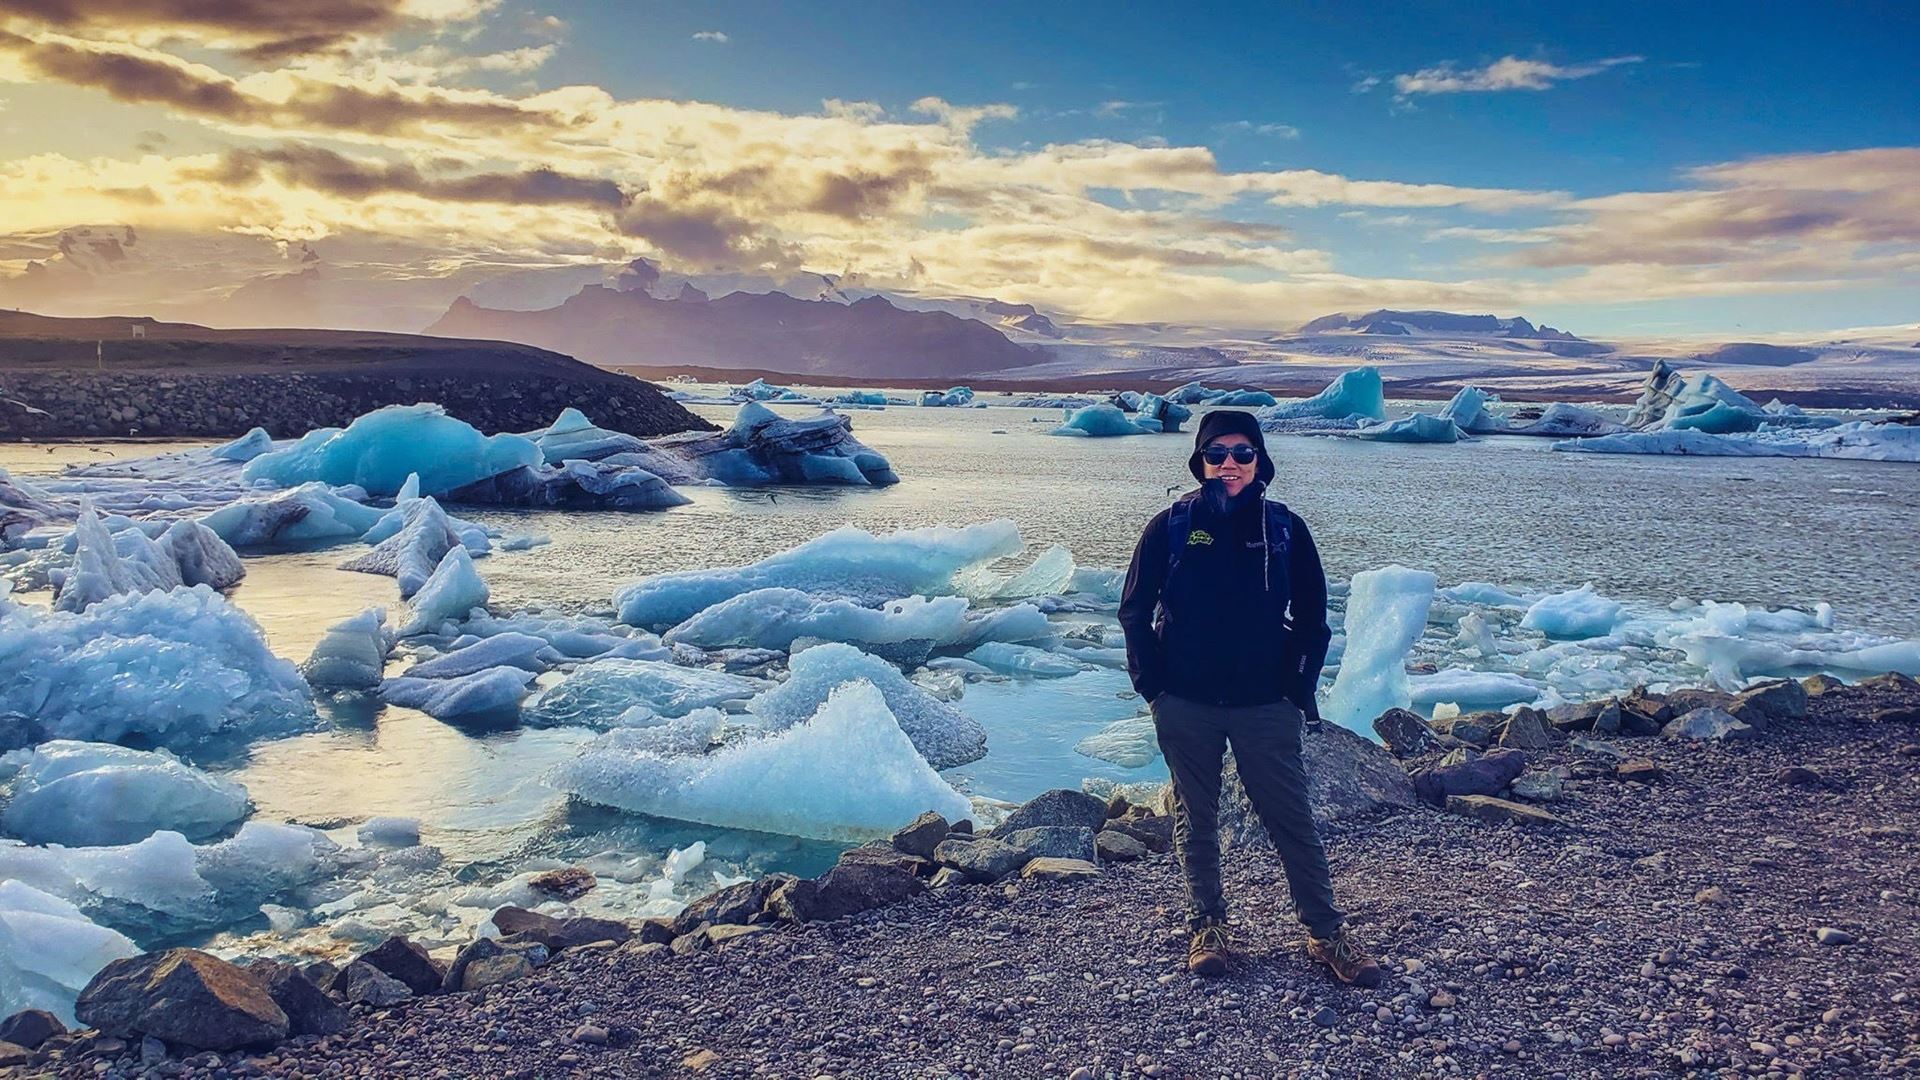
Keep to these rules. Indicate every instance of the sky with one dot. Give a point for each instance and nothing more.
(1617, 170)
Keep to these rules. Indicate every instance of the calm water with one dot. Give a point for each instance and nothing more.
(1506, 510)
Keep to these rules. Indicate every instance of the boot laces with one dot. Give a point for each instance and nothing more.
(1212, 938)
(1346, 951)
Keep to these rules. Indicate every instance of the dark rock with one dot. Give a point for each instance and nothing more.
(1899, 714)
(721, 935)
(486, 962)
(1053, 842)
(1643, 770)
(882, 853)
(1488, 808)
(1061, 806)
(568, 884)
(1538, 787)
(409, 963)
(961, 828)
(1797, 776)
(1113, 845)
(921, 835)
(945, 878)
(14, 1054)
(1155, 831)
(309, 1010)
(1051, 869)
(1821, 685)
(693, 941)
(1909, 750)
(1459, 756)
(657, 930)
(1474, 729)
(1117, 806)
(985, 859)
(1685, 701)
(183, 996)
(1770, 704)
(1608, 720)
(734, 904)
(1527, 729)
(30, 1028)
(320, 973)
(1646, 703)
(1487, 776)
(1891, 680)
(495, 970)
(1577, 716)
(844, 890)
(1828, 935)
(558, 935)
(1707, 724)
(363, 984)
(1406, 733)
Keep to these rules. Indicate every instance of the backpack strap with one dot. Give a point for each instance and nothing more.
(1179, 528)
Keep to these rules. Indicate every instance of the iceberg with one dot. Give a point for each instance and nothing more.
(598, 694)
(775, 618)
(49, 951)
(1100, 421)
(109, 563)
(1858, 441)
(1131, 743)
(84, 794)
(1577, 613)
(380, 449)
(351, 655)
(848, 774)
(1417, 428)
(450, 592)
(1734, 643)
(262, 859)
(169, 668)
(511, 649)
(848, 562)
(415, 550)
(942, 734)
(1386, 613)
(306, 514)
(957, 397)
(1358, 392)
(615, 483)
(1473, 689)
(1025, 661)
(762, 447)
(1169, 414)
(577, 637)
(494, 690)
(246, 447)
(861, 397)
(573, 437)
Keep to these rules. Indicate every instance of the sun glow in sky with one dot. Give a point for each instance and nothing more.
(1638, 169)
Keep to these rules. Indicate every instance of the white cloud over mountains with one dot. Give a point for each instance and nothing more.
(1506, 73)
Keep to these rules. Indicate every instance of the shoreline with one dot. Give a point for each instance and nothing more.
(1670, 923)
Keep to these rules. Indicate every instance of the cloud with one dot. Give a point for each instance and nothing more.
(1506, 73)
(265, 30)
(1272, 131)
(355, 178)
(718, 37)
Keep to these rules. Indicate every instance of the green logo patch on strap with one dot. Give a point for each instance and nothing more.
(1199, 537)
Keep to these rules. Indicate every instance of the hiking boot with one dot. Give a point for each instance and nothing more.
(1207, 953)
(1348, 961)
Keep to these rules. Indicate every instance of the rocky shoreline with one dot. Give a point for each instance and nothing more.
(1685, 884)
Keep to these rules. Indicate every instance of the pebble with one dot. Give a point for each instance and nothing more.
(1828, 935)
(1326, 1017)
(591, 1035)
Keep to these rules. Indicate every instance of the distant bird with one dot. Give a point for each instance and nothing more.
(773, 496)
(1171, 488)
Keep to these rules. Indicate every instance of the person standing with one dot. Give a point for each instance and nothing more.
(1225, 616)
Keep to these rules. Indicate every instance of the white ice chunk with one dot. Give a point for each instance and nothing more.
(944, 735)
(49, 951)
(98, 794)
(847, 562)
(494, 690)
(307, 514)
(378, 451)
(1386, 614)
(411, 555)
(1576, 613)
(510, 649)
(264, 858)
(1470, 689)
(1101, 420)
(246, 447)
(1859, 441)
(775, 618)
(1476, 635)
(1025, 660)
(159, 873)
(351, 655)
(392, 832)
(1417, 428)
(598, 693)
(848, 774)
(1131, 743)
(572, 436)
(450, 592)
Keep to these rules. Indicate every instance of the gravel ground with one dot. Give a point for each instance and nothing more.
(1667, 929)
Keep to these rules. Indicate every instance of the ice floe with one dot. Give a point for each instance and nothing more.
(49, 951)
(351, 655)
(942, 734)
(1859, 441)
(600, 693)
(1102, 420)
(84, 794)
(453, 590)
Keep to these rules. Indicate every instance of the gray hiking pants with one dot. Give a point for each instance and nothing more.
(1266, 749)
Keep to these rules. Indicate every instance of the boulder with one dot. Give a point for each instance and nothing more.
(1707, 724)
(1115, 845)
(1644, 702)
(363, 984)
(1117, 806)
(1898, 714)
(1576, 716)
(1474, 729)
(320, 973)
(30, 1028)
(1770, 704)
(921, 835)
(721, 935)
(309, 1010)
(1348, 776)
(1487, 776)
(985, 859)
(1156, 831)
(1049, 869)
(558, 935)
(846, 889)
(1488, 808)
(1458, 756)
(568, 884)
(1891, 680)
(488, 962)
(1061, 806)
(1641, 770)
(403, 960)
(1798, 776)
(494, 970)
(185, 997)
(12, 1054)
(733, 905)
(656, 930)
(1527, 729)
(1608, 721)
(1406, 734)
(945, 878)
(1821, 685)
(1685, 701)
(882, 853)
(1053, 842)
(1538, 787)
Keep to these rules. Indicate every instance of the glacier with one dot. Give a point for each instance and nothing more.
(83, 794)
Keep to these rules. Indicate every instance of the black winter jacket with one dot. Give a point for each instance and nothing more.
(1226, 630)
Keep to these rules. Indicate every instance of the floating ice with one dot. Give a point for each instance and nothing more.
(1577, 613)
(1386, 614)
(1025, 660)
(351, 655)
(1417, 428)
(1354, 393)
(848, 562)
(24, 507)
(1048, 575)
(573, 437)
(378, 451)
(598, 693)
(262, 859)
(306, 514)
(392, 832)
(94, 794)
(1168, 414)
(861, 397)
(1101, 420)
(1484, 593)
(1131, 743)
(246, 447)
(775, 618)
(1860, 441)
(944, 735)
(1734, 643)
(130, 561)
(956, 397)
(616, 483)
(1476, 635)
(494, 690)
(412, 553)
(454, 589)
(169, 668)
(1473, 689)
(762, 447)
(49, 951)
(847, 774)
(575, 636)
(511, 649)
(1468, 409)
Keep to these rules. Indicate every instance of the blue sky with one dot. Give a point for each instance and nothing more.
(1620, 168)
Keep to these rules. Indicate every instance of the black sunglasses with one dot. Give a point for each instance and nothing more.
(1242, 453)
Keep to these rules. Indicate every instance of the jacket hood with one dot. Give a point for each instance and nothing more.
(1229, 422)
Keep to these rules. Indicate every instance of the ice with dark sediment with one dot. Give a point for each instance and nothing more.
(762, 447)
(1468, 409)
